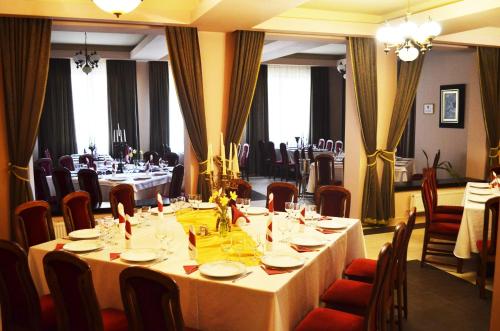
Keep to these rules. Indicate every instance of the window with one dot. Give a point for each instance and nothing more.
(90, 106)
(176, 121)
(289, 93)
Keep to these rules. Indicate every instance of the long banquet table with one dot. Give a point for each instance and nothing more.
(257, 302)
(471, 227)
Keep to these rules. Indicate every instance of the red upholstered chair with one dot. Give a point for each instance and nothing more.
(175, 189)
(22, 309)
(46, 164)
(285, 164)
(321, 143)
(450, 213)
(325, 170)
(274, 163)
(34, 223)
(66, 161)
(282, 192)
(171, 158)
(445, 232)
(70, 281)
(326, 319)
(332, 200)
(87, 159)
(62, 182)
(339, 146)
(77, 212)
(124, 194)
(329, 145)
(487, 253)
(42, 191)
(46, 153)
(155, 157)
(151, 300)
(89, 182)
(265, 160)
(243, 160)
(243, 188)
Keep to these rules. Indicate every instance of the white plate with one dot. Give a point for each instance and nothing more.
(479, 198)
(307, 241)
(160, 173)
(139, 255)
(117, 179)
(84, 234)
(332, 225)
(135, 220)
(480, 191)
(82, 246)
(166, 210)
(257, 211)
(222, 269)
(206, 205)
(480, 185)
(142, 177)
(282, 261)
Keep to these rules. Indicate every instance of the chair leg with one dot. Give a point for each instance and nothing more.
(424, 249)
(460, 265)
(391, 315)
(482, 279)
(405, 297)
(399, 293)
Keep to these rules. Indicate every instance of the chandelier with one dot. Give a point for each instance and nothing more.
(85, 60)
(117, 7)
(408, 39)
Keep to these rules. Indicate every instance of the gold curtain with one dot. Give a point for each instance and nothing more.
(408, 77)
(364, 68)
(489, 78)
(246, 64)
(184, 53)
(24, 67)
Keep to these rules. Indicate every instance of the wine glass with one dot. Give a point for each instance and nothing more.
(257, 239)
(283, 228)
(169, 238)
(289, 208)
(240, 203)
(161, 234)
(246, 205)
(239, 245)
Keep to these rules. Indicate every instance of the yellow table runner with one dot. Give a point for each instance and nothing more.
(209, 247)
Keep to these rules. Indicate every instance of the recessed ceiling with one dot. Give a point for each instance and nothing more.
(330, 49)
(96, 38)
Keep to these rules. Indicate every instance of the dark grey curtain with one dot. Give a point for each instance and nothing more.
(122, 100)
(319, 126)
(57, 124)
(337, 105)
(406, 146)
(158, 105)
(258, 122)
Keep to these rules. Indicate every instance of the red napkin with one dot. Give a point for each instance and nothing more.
(237, 214)
(114, 256)
(325, 218)
(128, 229)
(159, 201)
(270, 205)
(301, 249)
(189, 269)
(59, 247)
(271, 271)
(302, 215)
(326, 231)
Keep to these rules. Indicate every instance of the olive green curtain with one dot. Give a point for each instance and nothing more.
(158, 106)
(246, 63)
(184, 53)
(364, 69)
(489, 78)
(24, 67)
(57, 124)
(319, 126)
(408, 77)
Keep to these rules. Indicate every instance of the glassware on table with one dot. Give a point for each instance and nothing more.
(239, 245)
(289, 208)
(198, 200)
(239, 203)
(246, 205)
(225, 245)
(194, 200)
(310, 214)
(257, 239)
(283, 228)
(161, 233)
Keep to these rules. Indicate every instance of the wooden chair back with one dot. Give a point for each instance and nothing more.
(34, 223)
(332, 200)
(89, 182)
(282, 192)
(77, 212)
(124, 194)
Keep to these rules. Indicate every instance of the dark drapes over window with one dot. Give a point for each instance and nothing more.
(320, 104)
(258, 122)
(158, 105)
(337, 105)
(57, 124)
(122, 100)
(406, 146)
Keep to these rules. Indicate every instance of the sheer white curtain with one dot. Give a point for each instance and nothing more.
(176, 121)
(90, 106)
(289, 98)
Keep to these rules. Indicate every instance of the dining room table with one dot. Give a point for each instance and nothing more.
(264, 298)
(471, 227)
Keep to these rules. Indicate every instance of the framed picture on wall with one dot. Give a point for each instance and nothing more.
(452, 106)
(428, 108)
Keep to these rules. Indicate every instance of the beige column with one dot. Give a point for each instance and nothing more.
(216, 49)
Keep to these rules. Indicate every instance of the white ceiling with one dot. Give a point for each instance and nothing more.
(329, 49)
(96, 38)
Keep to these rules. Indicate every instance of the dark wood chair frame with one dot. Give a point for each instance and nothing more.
(20, 223)
(293, 189)
(241, 185)
(81, 183)
(487, 253)
(114, 202)
(67, 216)
(320, 200)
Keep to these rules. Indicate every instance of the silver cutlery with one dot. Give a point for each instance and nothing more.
(242, 276)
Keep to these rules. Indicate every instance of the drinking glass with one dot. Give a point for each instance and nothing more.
(161, 234)
(240, 203)
(173, 204)
(192, 200)
(198, 200)
(289, 208)
(246, 205)
(257, 239)
(283, 228)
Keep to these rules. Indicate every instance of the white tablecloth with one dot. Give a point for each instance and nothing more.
(143, 188)
(471, 227)
(403, 169)
(257, 302)
(311, 183)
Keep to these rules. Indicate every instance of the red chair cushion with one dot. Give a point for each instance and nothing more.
(448, 229)
(324, 319)
(348, 295)
(479, 245)
(114, 320)
(362, 270)
(449, 209)
(446, 218)
(48, 313)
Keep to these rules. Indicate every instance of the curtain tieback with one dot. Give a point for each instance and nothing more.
(388, 156)
(19, 172)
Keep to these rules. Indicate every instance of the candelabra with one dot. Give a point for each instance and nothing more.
(221, 181)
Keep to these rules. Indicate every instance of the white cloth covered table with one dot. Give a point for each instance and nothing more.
(403, 169)
(311, 183)
(257, 302)
(471, 227)
(143, 188)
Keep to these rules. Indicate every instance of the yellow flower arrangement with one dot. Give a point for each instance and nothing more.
(222, 201)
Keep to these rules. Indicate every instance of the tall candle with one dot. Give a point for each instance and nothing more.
(236, 166)
(230, 157)
(209, 159)
(124, 135)
(223, 154)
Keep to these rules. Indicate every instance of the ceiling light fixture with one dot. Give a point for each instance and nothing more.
(85, 60)
(408, 39)
(117, 7)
